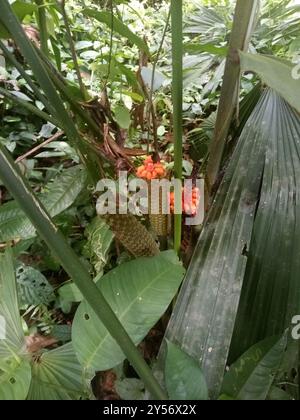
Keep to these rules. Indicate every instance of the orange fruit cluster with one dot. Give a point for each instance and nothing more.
(190, 207)
(150, 170)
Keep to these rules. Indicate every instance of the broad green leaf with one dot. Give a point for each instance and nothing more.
(69, 293)
(99, 240)
(122, 116)
(21, 9)
(82, 45)
(58, 195)
(33, 287)
(295, 46)
(15, 378)
(277, 394)
(276, 73)
(15, 371)
(130, 389)
(139, 292)
(134, 96)
(57, 375)
(183, 376)
(147, 74)
(62, 332)
(129, 74)
(118, 26)
(251, 377)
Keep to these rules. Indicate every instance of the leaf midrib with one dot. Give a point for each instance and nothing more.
(122, 316)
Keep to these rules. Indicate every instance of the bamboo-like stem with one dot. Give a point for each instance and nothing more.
(177, 87)
(31, 108)
(60, 84)
(72, 48)
(151, 111)
(112, 24)
(42, 22)
(11, 58)
(239, 40)
(58, 244)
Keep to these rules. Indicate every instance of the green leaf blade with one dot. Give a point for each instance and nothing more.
(183, 376)
(57, 375)
(15, 378)
(117, 26)
(139, 293)
(15, 372)
(251, 377)
(59, 195)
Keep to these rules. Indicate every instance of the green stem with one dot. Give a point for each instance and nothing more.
(42, 22)
(73, 50)
(10, 57)
(239, 40)
(177, 88)
(58, 244)
(31, 108)
(151, 111)
(61, 86)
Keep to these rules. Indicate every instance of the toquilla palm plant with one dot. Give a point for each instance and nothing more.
(241, 286)
(233, 281)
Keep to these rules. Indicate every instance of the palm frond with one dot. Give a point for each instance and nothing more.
(263, 173)
(271, 292)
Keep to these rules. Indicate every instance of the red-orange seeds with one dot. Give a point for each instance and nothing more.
(190, 207)
(150, 170)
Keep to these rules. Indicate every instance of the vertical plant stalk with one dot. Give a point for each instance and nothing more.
(58, 244)
(60, 84)
(29, 107)
(151, 111)
(72, 48)
(10, 57)
(42, 22)
(177, 88)
(12, 24)
(112, 24)
(244, 18)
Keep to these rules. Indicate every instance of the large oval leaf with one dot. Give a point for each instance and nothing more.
(33, 287)
(139, 292)
(251, 377)
(183, 376)
(57, 197)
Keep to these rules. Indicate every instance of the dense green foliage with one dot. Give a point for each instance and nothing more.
(92, 88)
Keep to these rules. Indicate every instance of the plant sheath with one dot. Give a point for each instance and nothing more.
(177, 83)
